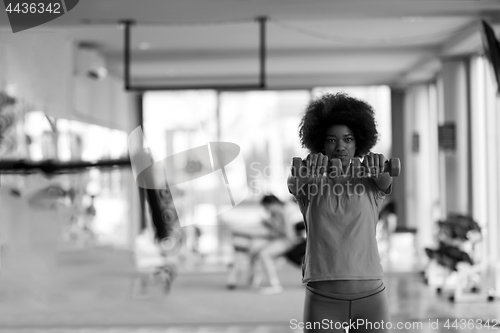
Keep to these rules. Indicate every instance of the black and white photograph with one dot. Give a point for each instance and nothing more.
(249, 166)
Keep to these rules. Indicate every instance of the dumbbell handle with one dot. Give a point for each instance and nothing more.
(392, 166)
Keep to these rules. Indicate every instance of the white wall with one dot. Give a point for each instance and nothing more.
(39, 68)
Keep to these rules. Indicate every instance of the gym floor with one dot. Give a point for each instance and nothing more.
(199, 302)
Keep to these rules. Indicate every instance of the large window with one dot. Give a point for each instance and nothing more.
(96, 201)
(264, 125)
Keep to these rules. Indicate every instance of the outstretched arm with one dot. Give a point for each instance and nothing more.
(314, 166)
(299, 180)
(375, 163)
(383, 181)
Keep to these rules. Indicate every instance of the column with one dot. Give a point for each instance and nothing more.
(455, 110)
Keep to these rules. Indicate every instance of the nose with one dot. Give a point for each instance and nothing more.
(340, 147)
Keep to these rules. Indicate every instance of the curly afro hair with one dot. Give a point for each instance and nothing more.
(338, 109)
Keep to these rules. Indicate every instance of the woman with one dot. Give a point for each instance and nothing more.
(278, 240)
(264, 245)
(342, 265)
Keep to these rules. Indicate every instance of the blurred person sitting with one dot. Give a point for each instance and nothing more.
(279, 239)
(273, 237)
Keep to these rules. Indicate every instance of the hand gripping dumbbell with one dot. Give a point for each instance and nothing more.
(392, 166)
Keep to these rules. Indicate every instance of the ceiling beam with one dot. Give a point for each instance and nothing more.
(141, 88)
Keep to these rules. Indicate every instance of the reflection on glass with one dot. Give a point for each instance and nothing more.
(54, 227)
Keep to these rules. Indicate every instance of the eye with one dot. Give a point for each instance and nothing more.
(349, 139)
(330, 140)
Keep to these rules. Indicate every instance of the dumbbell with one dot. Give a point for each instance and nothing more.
(392, 166)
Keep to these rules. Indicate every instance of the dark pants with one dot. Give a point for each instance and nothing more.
(330, 312)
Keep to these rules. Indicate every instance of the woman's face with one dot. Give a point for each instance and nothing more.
(340, 143)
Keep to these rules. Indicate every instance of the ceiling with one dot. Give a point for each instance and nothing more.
(308, 42)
